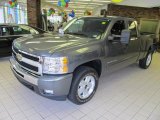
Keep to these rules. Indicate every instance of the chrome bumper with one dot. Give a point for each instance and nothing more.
(22, 73)
(59, 84)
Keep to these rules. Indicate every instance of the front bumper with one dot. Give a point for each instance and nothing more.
(59, 84)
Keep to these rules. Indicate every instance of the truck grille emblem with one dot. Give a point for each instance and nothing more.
(19, 57)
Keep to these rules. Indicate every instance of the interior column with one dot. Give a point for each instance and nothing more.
(34, 12)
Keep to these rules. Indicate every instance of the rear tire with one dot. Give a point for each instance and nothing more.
(145, 62)
(84, 85)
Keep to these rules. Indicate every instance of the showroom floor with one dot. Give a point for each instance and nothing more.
(128, 94)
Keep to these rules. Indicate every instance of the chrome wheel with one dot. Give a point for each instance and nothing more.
(149, 59)
(86, 87)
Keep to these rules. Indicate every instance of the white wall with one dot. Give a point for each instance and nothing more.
(2, 15)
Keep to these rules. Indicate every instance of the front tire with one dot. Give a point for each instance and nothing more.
(145, 62)
(84, 85)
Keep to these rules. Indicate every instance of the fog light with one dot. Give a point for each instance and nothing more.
(49, 92)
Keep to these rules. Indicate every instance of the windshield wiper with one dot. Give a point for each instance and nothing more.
(82, 34)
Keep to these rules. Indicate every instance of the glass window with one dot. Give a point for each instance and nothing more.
(16, 15)
(22, 29)
(89, 27)
(5, 31)
(118, 27)
(76, 26)
(133, 28)
(1, 14)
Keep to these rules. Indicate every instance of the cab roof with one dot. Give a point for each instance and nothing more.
(109, 17)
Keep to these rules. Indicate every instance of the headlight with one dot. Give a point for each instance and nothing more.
(57, 65)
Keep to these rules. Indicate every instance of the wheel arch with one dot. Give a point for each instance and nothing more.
(95, 64)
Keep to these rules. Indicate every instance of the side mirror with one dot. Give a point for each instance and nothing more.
(61, 31)
(125, 36)
(110, 38)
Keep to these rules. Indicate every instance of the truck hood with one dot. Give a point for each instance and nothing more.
(47, 44)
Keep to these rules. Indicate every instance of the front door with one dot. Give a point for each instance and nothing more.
(117, 52)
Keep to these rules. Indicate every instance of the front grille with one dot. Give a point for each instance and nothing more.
(19, 73)
(26, 65)
(26, 55)
(29, 62)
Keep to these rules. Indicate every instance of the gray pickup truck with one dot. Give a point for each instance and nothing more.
(69, 64)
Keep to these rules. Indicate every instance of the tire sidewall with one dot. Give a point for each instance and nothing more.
(147, 58)
(86, 73)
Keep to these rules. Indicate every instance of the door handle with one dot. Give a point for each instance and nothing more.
(134, 38)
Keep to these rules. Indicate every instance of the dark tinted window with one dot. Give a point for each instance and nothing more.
(133, 28)
(118, 27)
(21, 30)
(24, 29)
(5, 31)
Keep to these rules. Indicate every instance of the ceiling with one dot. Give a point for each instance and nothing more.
(78, 5)
(81, 5)
(93, 5)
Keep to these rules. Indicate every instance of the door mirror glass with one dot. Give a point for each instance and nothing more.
(110, 38)
(125, 36)
(61, 31)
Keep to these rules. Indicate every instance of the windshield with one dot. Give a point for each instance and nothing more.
(88, 27)
(25, 29)
(40, 31)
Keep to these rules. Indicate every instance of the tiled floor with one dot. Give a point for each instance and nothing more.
(128, 94)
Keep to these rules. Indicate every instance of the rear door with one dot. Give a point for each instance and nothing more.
(133, 47)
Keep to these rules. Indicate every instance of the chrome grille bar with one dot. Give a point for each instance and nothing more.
(32, 65)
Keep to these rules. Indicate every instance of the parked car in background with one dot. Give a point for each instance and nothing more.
(9, 32)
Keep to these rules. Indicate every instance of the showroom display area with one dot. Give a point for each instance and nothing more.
(54, 67)
(93, 59)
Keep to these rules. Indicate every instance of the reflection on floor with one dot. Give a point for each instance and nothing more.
(128, 94)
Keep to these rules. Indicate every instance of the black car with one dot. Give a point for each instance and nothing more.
(9, 32)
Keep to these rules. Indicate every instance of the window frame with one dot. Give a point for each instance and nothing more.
(1, 31)
(76, 19)
(136, 24)
(115, 23)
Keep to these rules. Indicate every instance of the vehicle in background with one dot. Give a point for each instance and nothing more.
(151, 26)
(10, 32)
(70, 64)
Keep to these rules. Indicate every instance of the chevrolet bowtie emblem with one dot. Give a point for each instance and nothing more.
(19, 57)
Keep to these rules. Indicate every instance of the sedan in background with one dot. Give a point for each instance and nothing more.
(10, 32)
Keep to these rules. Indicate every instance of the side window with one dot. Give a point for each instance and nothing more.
(118, 27)
(5, 31)
(21, 30)
(132, 26)
(18, 30)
